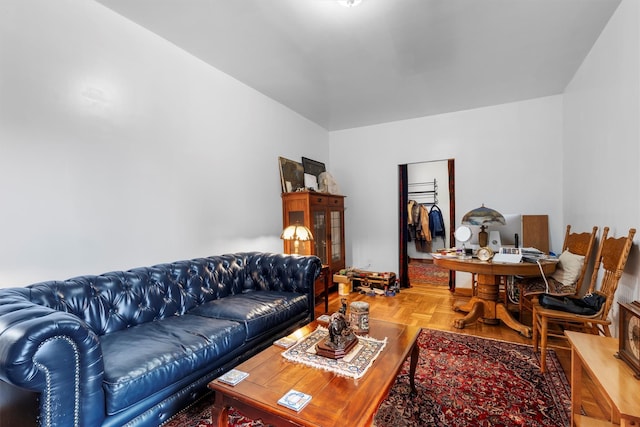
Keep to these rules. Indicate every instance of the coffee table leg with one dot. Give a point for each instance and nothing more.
(415, 354)
(221, 410)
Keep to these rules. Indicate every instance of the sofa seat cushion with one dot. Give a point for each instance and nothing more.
(141, 360)
(260, 311)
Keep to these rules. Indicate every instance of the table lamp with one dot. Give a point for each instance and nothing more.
(483, 217)
(298, 233)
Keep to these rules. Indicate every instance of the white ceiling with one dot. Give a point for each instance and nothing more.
(384, 60)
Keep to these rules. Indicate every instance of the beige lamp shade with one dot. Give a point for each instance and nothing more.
(483, 217)
(298, 233)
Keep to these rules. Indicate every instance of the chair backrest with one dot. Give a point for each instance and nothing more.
(611, 258)
(580, 244)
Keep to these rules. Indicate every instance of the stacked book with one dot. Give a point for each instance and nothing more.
(533, 255)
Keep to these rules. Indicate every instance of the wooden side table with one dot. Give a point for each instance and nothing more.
(324, 278)
(614, 379)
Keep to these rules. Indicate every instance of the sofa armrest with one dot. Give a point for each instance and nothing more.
(284, 273)
(281, 272)
(55, 354)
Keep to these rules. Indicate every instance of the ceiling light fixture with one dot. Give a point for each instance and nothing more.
(349, 3)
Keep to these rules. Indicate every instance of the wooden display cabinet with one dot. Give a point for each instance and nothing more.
(323, 214)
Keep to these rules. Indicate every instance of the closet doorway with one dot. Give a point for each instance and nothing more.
(429, 186)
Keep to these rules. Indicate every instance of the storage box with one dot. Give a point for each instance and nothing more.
(372, 279)
(340, 278)
(344, 284)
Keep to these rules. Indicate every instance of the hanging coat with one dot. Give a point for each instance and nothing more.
(436, 222)
(419, 226)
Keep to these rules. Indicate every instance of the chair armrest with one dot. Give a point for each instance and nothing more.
(55, 354)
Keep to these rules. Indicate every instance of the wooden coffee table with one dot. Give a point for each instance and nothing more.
(336, 400)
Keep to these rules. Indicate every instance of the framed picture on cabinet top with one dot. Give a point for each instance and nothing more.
(313, 167)
(291, 175)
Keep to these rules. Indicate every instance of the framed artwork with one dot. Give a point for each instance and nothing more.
(291, 175)
(313, 167)
(312, 171)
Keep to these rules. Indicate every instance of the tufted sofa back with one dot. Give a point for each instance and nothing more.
(117, 300)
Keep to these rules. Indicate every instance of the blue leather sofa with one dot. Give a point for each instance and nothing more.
(134, 347)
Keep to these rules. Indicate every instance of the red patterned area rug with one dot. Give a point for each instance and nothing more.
(462, 380)
(199, 415)
(423, 272)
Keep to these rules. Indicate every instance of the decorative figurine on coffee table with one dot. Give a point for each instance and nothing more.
(341, 337)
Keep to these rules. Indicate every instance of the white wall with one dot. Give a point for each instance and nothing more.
(508, 157)
(119, 150)
(602, 138)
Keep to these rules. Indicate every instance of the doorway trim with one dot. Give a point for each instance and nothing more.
(403, 232)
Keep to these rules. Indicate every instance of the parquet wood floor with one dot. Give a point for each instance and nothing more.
(430, 306)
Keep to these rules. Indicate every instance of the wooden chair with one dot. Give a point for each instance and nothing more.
(577, 243)
(610, 261)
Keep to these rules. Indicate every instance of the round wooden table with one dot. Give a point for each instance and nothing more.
(486, 306)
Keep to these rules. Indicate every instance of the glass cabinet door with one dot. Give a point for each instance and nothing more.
(320, 234)
(336, 236)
